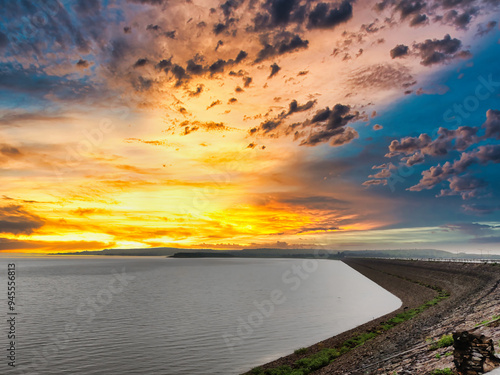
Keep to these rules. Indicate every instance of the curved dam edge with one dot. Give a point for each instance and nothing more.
(471, 286)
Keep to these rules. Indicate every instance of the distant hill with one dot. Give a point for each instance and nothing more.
(152, 251)
(212, 254)
(284, 253)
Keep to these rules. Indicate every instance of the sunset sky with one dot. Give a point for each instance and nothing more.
(250, 123)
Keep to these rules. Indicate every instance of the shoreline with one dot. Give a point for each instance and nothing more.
(474, 297)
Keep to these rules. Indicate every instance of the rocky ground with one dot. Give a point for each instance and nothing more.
(404, 349)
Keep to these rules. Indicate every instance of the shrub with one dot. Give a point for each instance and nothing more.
(301, 351)
(445, 371)
(257, 371)
(443, 342)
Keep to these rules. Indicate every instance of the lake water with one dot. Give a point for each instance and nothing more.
(164, 316)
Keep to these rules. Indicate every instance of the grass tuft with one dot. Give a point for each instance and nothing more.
(300, 351)
(443, 342)
(445, 371)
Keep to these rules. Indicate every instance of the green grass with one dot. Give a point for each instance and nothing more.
(443, 342)
(324, 357)
(485, 322)
(300, 351)
(445, 371)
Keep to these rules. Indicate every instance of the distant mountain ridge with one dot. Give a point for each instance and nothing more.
(286, 253)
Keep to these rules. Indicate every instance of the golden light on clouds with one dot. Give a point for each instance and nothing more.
(213, 123)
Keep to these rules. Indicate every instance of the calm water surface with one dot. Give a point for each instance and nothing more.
(178, 316)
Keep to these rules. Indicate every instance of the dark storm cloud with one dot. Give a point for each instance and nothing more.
(214, 103)
(230, 6)
(220, 27)
(492, 124)
(458, 13)
(140, 63)
(241, 56)
(180, 74)
(281, 10)
(407, 8)
(4, 40)
(209, 126)
(157, 30)
(217, 67)
(435, 51)
(219, 44)
(278, 13)
(153, 27)
(438, 51)
(483, 30)
(281, 13)
(327, 15)
(272, 124)
(330, 125)
(82, 64)
(239, 73)
(247, 81)
(399, 51)
(384, 4)
(16, 220)
(275, 68)
(294, 44)
(197, 92)
(371, 27)
(459, 20)
(327, 125)
(164, 65)
(419, 19)
(194, 68)
(447, 4)
(170, 34)
(283, 43)
(295, 107)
